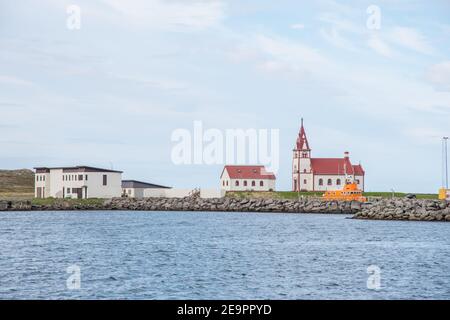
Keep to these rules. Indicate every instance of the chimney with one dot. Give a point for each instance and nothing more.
(346, 155)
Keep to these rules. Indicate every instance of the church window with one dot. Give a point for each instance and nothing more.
(261, 183)
(329, 182)
(320, 182)
(338, 182)
(304, 181)
(245, 183)
(253, 183)
(237, 183)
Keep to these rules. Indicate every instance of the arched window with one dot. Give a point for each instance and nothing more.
(338, 182)
(237, 183)
(320, 182)
(329, 182)
(304, 181)
(253, 183)
(245, 183)
(304, 170)
(357, 181)
(261, 183)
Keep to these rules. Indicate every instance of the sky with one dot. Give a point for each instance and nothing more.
(112, 92)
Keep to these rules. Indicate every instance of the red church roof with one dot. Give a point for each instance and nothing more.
(335, 166)
(248, 172)
(302, 141)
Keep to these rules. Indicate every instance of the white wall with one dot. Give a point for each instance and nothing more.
(267, 185)
(212, 193)
(334, 186)
(167, 193)
(54, 184)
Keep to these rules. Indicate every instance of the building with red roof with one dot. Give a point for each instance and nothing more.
(321, 174)
(247, 178)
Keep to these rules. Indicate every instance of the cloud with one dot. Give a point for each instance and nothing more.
(379, 46)
(173, 15)
(410, 39)
(298, 26)
(335, 38)
(439, 76)
(286, 54)
(426, 135)
(12, 80)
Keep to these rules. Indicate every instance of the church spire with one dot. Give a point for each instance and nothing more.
(302, 141)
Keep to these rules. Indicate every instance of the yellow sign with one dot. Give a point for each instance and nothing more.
(444, 194)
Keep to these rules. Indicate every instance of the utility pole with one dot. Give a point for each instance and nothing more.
(445, 162)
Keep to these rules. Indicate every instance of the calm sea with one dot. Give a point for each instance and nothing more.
(183, 255)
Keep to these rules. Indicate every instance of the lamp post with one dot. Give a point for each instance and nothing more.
(445, 162)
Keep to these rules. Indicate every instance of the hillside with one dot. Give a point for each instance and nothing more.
(16, 181)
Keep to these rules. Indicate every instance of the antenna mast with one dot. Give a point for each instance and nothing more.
(444, 163)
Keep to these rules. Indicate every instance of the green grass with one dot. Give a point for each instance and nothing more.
(16, 181)
(295, 195)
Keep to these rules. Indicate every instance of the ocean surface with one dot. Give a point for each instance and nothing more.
(184, 255)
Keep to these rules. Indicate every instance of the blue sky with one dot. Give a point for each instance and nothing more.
(112, 92)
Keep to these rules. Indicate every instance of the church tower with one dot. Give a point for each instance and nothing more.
(302, 177)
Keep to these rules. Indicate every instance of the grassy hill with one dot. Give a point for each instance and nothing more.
(16, 183)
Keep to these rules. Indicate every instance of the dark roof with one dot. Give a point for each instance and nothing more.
(140, 184)
(74, 169)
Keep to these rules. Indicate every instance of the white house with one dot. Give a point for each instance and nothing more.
(321, 174)
(247, 178)
(77, 182)
(139, 189)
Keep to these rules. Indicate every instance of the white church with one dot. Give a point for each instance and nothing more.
(321, 174)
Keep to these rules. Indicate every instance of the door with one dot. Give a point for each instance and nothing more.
(79, 193)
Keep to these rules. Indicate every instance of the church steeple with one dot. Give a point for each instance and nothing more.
(302, 141)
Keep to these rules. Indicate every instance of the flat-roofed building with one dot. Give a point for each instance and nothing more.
(79, 182)
(139, 189)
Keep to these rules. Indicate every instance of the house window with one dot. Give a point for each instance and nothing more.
(357, 181)
(68, 190)
(37, 178)
(105, 179)
(304, 170)
(245, 183)
(80, 177)
(236, 183)
(261, 183)
(85, 176)
(253, 183)
(304, 181)
(223, 183)
(329, 182)
(43, 177)
(320, 182)
(338, 182)
(227, 182)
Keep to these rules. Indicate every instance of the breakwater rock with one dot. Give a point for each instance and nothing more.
(235, 204)
(406, 209)
(191, 204)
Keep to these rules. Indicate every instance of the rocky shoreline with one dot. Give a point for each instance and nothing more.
(385, 209)
(192, 204)
(406, 209)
